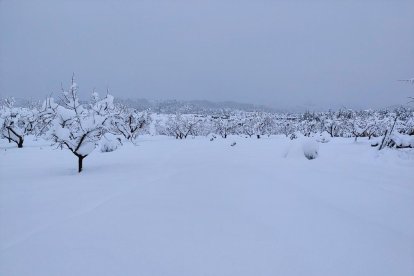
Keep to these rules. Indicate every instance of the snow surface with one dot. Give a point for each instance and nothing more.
(201, 207)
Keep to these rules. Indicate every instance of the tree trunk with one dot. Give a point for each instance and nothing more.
(383, 141)
(80, 160)
(8, 136)
(20, 144)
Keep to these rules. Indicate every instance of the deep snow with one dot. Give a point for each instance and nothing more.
(200, 207)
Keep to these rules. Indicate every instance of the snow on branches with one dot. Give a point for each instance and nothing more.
(129, 123)
(16, 123)
(78, 127)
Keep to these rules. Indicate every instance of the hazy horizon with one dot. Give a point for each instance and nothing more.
(281, 54)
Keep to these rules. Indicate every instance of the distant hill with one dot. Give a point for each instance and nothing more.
(195, 106)
(206, 107)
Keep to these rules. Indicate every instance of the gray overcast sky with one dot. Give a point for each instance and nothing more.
(280, 53)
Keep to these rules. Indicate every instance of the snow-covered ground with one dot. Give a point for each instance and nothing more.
(200, 207)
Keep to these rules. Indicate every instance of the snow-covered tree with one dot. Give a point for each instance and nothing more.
(181, 126)
(77, 127)
(248, 126)
(263, 124)
(226, 125)
(310, 123)
(286, 128)
(16, 122)
(129, 122)
(254, 124)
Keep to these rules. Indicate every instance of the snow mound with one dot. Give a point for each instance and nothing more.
(310, 148)
(110, 143)
(301, 147)
(402, 141)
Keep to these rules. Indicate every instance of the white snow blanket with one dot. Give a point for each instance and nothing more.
(200, 207)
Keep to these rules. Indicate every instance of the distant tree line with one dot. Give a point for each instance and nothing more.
(80, 126)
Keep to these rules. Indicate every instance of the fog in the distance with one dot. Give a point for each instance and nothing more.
(313, 54)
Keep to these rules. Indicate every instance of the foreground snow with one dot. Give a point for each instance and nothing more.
(196, 207)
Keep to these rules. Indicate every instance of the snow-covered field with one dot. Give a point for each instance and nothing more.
(200, 207)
